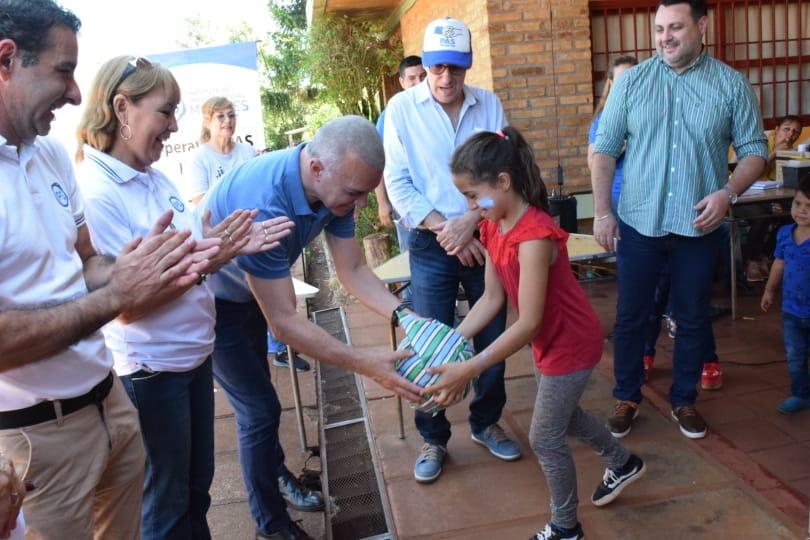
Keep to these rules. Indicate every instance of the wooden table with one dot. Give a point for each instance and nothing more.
(302, 291)
(749, 197)
(581, 248)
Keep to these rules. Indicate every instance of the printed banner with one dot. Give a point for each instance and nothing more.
(227, 70)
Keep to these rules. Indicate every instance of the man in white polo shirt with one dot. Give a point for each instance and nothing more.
(65, 421)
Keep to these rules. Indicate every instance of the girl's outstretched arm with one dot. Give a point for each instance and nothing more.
(535, 256)
(487, 307)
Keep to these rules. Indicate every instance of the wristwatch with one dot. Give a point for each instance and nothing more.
(398, 311)
(732, 197)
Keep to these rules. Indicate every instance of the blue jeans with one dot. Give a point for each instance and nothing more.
(691, 261)
(176, 411)
(240, 367)
(435, 277)
(660, 303)
(796, 333)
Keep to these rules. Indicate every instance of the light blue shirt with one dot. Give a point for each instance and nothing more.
(419, 141)
(678, 128)
(272, 184)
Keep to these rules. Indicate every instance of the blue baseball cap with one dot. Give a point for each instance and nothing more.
(447, 41)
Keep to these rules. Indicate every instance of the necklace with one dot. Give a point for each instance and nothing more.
(517, 219)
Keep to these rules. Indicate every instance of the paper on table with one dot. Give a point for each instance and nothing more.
(764, 184)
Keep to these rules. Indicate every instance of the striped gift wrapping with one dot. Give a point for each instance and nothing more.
(433, 344)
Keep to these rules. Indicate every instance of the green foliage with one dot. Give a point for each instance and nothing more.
(285, 64)
(348, 58)
(319, 115)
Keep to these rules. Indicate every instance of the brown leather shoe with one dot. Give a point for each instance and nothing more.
(621, 422)
(691, 423)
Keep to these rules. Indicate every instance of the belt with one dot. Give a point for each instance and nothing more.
(476, 232)
(46, 410)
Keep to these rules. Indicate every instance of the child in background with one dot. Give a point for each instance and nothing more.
(792, 260)
(498, 174)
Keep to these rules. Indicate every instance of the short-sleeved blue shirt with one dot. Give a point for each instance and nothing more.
(616, 189)
(272, 184)
(796, 279)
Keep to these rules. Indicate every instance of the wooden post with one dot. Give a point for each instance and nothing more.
(378, 248)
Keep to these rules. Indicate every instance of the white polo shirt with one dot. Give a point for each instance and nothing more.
(40, 211)
(123, 203)
(207, 167)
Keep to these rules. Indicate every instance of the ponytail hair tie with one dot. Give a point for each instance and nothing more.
(502, 135)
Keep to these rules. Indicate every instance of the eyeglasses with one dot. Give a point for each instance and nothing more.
(221, 116)
(438, 69)
(139, 62)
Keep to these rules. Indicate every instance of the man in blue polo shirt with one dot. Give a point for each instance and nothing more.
(317, 185)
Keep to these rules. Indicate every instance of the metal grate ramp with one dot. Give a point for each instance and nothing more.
(356, 504)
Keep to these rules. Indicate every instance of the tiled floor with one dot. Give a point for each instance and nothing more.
(755, 381)
(750, 477)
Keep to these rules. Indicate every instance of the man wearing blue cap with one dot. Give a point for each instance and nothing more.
(423, 126)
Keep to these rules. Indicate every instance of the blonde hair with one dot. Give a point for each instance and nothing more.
(618, 61)
(212, 105)
(99, 124)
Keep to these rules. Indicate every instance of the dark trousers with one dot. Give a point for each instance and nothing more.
(240, 367)
(176, 411)
(435, 278)
(691, 261)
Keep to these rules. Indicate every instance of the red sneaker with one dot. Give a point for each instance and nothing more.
(712, 376)
(648, 365)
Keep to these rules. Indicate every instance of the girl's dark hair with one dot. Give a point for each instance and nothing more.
(485, 155)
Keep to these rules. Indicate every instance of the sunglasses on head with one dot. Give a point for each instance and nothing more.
(438, 69)
(139, 62)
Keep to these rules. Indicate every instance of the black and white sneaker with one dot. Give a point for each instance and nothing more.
(614, 481)
(555, 533)
(283, 361)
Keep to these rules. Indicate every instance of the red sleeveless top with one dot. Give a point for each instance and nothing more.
(570, 336)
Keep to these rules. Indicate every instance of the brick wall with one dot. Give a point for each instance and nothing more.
(524, 67)
(512, 55)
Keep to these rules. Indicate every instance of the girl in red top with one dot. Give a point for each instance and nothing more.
(498, 174)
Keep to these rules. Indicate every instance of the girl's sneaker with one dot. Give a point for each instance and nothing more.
(615, 480)
(552, 532)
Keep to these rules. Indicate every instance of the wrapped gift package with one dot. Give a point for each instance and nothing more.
(433, 344)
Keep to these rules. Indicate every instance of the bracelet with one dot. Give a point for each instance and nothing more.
(600, 218)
